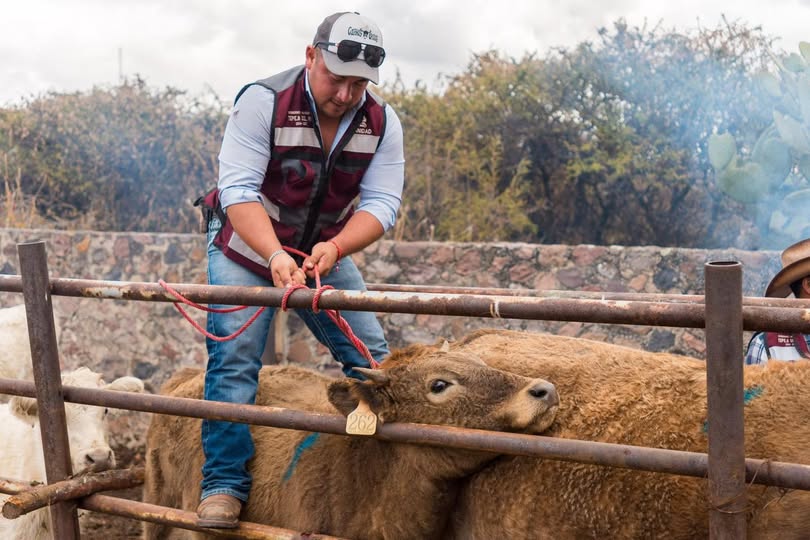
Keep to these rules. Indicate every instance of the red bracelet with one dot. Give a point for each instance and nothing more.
(337, 247)
(339, 255)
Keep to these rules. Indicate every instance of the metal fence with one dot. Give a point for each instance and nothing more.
(723, 312)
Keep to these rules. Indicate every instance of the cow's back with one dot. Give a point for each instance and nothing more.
(522, 497)
(627, 396)
(279, 386)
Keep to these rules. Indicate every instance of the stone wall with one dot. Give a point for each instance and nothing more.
(152, 340)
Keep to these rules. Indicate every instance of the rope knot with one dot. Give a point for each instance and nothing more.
(317, 298)
(291, 289)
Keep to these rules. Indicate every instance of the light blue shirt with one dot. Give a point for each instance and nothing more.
(245, 154)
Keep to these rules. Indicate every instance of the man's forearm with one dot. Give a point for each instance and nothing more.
(253, 225)
(362, 230)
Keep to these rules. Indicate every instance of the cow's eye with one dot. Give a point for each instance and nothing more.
(438, 386)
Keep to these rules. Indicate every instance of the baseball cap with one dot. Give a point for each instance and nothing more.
(351, 44)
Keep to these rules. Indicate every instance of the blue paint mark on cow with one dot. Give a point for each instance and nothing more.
(304, 445)
(749, 394)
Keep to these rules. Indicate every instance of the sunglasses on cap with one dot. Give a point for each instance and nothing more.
(348, 50)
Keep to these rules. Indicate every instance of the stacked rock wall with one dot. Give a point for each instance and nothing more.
(151, 340)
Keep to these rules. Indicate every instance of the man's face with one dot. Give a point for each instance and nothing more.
(333, 94)
(804, 287)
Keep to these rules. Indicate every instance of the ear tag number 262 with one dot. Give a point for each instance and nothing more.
(361, 421)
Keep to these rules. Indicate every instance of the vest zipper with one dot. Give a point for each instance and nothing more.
(323, 184)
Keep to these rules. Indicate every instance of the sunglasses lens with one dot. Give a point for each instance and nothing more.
(348, 50)
(374, 55)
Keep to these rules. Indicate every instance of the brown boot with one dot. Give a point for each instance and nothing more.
(219, 512)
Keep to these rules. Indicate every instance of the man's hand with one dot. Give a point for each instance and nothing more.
(324, 256)
(253, 225)
(285, 272)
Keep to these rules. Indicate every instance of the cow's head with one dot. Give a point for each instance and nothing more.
(433, 386)
(87, 433)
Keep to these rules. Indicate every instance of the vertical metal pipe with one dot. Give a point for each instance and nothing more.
(724, 356)
(48, 380)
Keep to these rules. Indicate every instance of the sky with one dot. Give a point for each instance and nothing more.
(216, 46)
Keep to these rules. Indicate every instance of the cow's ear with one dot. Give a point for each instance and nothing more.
(346, 394)
(342, 396)
(24, 408)
(126, 384)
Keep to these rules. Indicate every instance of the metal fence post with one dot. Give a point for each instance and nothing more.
(724, 374)
(48, 380)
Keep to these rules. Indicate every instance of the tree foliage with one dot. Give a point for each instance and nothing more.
(602, 143)
(465, 178)
(648, 99)
(605, 141)
(125, 158)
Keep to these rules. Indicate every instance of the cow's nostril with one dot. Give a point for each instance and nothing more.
(98, 459)
(543, 390)
(538, 392)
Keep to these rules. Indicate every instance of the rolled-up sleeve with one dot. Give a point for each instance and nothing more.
(245, 150)
(381, 187)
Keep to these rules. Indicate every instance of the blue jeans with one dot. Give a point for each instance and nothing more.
(233, 367)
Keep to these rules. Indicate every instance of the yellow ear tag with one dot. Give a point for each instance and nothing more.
(361, 421)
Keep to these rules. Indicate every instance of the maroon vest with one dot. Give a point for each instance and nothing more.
(309, 199)
(780, 346)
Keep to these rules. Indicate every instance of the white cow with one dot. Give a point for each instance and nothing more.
(15, 349)
(21, 455)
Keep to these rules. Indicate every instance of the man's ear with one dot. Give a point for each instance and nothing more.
(310, 56)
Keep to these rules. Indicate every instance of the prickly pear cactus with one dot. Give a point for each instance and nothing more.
(776, 173)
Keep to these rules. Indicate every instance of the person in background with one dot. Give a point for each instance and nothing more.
(312, 160)
(794, 277)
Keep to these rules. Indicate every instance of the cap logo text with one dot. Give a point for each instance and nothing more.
(365, 34)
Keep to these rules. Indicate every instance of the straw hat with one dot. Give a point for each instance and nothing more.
(795, 266)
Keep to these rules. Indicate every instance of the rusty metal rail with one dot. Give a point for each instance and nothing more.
(581, 295)
(723, 312)
(775, 314)
(787, 475)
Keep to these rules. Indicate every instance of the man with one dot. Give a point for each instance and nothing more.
(793, 278)
(299, 149)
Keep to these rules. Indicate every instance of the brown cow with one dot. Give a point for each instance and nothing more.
(355, 487)
(621, 395)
